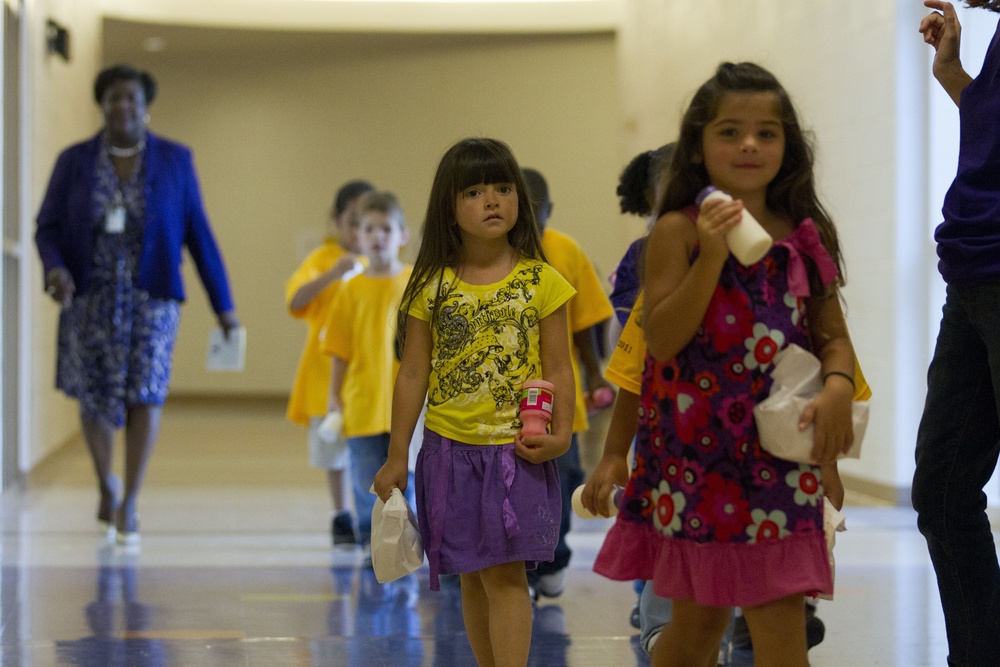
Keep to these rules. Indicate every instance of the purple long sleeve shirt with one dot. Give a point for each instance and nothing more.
(969, 238)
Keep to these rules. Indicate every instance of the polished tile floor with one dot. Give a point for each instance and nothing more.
(235, 569)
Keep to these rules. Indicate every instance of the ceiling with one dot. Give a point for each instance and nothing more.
(125, 40)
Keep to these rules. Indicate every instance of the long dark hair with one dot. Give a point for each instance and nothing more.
(992, 5)
(469, 162)
(792, 192)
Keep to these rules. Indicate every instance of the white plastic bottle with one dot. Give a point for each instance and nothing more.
(331, 428)
(613, 501)
(748, 241)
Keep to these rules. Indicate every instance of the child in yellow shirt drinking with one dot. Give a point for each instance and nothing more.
(308, 295)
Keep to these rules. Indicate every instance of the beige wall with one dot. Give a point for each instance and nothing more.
(274, 134)
(61, 112)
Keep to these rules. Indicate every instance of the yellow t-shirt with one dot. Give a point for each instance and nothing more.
(862, 392)
(627, 361)
(312, 381)
(625, 366)
(590, 305)
(364, 311)
(485, 345)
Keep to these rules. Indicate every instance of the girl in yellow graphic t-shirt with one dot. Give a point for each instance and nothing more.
(481, 314)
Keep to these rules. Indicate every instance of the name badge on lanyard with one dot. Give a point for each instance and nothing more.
(114, 218)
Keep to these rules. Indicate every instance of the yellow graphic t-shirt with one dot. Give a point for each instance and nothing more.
(485, 344)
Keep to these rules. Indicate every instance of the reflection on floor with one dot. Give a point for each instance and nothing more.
(235, 569)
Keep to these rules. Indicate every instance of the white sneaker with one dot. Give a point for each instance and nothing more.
(651, 641)
(552, 585)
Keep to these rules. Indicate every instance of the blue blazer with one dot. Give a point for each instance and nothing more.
(175, 217)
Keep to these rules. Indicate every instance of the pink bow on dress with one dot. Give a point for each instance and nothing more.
(805, 241)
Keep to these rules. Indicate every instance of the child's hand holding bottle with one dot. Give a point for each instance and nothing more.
(346, 267)
(610, 475)
(534, 443)
(541, 448)
(716, 218)
(748, 241)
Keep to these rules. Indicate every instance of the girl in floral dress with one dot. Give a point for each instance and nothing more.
(712, 518)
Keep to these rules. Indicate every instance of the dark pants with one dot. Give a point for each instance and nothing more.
(570, 477)
(956, 454)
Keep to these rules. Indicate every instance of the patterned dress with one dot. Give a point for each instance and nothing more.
(708, 514)
(116, 342)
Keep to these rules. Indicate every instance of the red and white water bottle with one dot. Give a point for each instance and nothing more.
(536, 406)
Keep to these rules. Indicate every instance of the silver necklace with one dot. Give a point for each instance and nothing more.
(127, 152)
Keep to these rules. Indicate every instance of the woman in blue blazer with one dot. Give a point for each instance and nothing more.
(117, 212)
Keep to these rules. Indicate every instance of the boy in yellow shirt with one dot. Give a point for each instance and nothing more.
(308, 295)
(586, 312)
(361, 339)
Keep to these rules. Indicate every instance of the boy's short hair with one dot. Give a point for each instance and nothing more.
(347, 193)
(382, 202)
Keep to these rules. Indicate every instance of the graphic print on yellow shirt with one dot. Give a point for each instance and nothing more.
(485, 345)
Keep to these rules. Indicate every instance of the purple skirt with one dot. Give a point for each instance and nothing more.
(482, 505)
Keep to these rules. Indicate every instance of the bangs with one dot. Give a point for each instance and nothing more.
(483, 165)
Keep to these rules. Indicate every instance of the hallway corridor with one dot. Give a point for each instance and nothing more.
(235, 568)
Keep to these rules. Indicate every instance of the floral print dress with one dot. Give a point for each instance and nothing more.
(708, 514)
(116, 342)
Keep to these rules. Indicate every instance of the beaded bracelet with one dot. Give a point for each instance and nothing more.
(843, 375)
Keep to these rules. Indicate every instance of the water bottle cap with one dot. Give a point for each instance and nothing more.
(707, 190)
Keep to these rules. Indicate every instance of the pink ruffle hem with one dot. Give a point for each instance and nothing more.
(718, 574)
